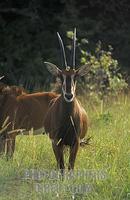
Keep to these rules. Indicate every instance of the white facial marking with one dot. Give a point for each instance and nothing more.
(72, 93)
(64, 84)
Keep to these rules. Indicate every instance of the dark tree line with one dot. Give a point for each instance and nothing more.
(28, 34)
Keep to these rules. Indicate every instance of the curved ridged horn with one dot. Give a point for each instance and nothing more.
(73, 48)
(62, 49)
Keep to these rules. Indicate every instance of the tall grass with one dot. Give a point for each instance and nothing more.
(103, 166)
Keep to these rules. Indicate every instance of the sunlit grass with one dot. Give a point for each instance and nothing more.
(106, 159)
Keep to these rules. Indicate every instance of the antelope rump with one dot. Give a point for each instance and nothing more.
(21, 111)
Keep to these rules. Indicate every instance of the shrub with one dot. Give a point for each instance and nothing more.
(104, 77)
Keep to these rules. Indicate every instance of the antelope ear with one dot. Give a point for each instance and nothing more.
(53, 69)
(83, 70)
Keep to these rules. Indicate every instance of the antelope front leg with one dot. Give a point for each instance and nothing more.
(58, 151)
(73, 153)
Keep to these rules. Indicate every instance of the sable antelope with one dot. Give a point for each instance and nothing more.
(6, 92)
(66, 120)
(24, 111)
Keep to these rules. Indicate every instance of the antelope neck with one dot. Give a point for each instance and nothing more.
(67, 107)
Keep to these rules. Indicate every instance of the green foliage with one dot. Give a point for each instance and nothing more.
(105, 118)
(28, 35)
(104, 77)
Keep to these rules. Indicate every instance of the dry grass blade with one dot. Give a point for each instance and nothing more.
(5, 122)
(84, 141)
(4, 128)
(1, 77)
(16, 131)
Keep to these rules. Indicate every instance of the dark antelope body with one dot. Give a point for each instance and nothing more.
(21, 111)
(66, 120)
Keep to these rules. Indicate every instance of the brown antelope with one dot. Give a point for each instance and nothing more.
(6, 93)
(25, 111)
(66, 120)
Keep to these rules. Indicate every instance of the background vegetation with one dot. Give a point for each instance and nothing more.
(28, 35)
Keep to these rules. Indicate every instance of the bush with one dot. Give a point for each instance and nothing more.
(104, 77)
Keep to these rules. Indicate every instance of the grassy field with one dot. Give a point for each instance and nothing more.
(102, 169)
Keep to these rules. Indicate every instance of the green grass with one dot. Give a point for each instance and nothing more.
(106, 160)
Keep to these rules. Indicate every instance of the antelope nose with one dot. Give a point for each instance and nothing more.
(68, 96)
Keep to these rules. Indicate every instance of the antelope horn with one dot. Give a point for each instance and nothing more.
(62, 49)
(73, 48)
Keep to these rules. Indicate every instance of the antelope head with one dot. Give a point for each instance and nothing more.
(68, 76)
